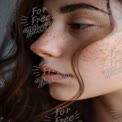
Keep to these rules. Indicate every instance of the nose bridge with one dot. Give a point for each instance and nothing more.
(55, 32)
(50, 35)
(50, 43)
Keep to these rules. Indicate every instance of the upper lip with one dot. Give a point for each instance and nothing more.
(47, 69)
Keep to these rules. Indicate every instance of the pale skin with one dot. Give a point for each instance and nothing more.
(100, 63)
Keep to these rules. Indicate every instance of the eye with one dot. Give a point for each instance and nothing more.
(80, 25)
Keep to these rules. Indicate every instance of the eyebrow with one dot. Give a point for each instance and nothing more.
(74, 7)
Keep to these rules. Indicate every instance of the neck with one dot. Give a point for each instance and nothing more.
(109, 107)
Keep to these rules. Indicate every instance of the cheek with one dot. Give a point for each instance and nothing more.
(100, 69)
(102, 59)
(90, 61)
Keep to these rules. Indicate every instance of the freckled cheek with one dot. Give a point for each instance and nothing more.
(91, 60)
(93, 53)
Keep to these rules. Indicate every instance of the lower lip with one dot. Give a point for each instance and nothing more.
(53, 77)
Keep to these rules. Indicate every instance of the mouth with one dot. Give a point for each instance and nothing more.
(50, 74)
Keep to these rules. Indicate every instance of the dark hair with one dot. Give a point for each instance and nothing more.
(20, 100)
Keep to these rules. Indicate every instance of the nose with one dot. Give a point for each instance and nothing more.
(48, 45)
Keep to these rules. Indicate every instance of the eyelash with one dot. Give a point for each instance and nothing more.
(79, 26)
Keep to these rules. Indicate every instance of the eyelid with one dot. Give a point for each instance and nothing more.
(77, 26)
(84, 20)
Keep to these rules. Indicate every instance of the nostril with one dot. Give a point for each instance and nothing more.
(46, 50)
(40, 52)
(45, 54)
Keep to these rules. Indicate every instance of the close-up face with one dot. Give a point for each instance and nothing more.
(87, 32)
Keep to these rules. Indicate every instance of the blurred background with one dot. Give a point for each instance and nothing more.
(6, 9)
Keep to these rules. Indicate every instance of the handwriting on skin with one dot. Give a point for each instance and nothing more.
(113, 64)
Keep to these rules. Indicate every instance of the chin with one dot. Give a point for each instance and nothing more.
(61, 93)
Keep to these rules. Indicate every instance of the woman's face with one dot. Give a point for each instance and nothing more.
(100, 64)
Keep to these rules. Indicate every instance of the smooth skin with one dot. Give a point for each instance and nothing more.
(100, 63)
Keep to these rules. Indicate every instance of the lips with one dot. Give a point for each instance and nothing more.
(51, 74)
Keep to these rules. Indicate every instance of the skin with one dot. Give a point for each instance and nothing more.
(95, 61)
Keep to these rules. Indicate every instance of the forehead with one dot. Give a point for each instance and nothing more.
(55, 4)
